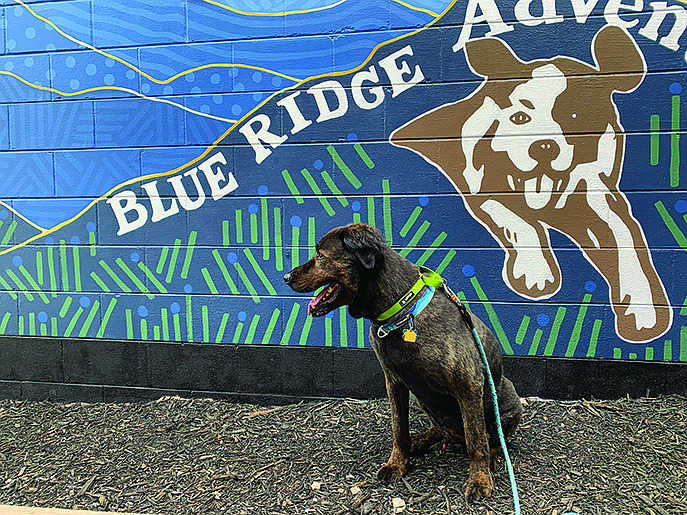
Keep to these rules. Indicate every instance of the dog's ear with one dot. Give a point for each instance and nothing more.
(491, 57)
(618, 56)
(364, 244)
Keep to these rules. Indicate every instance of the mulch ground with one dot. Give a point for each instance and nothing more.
(203, 456)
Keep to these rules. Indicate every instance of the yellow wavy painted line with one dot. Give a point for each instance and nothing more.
(17, 213)
(116, 88)
(249, 13)
(214, 144)
(141, 72)
(420, 9)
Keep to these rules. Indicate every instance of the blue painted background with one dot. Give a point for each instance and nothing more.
(98, 98)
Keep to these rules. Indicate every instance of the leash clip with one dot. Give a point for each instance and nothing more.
(381, 332)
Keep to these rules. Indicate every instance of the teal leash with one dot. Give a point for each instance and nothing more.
(502, 439)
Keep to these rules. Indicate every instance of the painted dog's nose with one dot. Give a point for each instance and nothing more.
(544, 150)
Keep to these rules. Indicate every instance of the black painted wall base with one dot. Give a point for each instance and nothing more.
(125, 371)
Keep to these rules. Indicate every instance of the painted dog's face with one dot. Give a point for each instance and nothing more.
(539, 146)
(340, 258)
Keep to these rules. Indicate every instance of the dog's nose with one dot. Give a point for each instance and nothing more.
(287, 278)
(544, 150)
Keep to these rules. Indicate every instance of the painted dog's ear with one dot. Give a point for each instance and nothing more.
(363, 243)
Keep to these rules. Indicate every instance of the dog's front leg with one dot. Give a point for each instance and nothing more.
(480, 483)
(399, 398)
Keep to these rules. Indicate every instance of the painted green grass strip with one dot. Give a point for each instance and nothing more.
(343, 329)
(649, 354)
(44, 329)
(675, 142)
(173, 260)
(522, 331)
(256, 267)
(432, 247)
(19, 284)
(72, 322)
(53, 326)
(32, 324)
(20, 326)
(577, 328)
(106, 318)
(77, 268)
(8, 234)
(278, 250)
(654, 128)
(360, 329)
(33, 284)
(165, 324)
(8, 288)
(208, 281)
(89, 319)
(225, 233)
(206, 324)
(386, 209)
(317, 191)
(51, 271)
(496, 324)
(144, 329)
(114, 277)
(334, 188)
(222, 327)
(671, 225)
(265, 219)
(189, 254)
(150, 275)
(237, 333)
(163, 259)
(305, 331)
(295, 246)
(139, 284)
(63, 263)
(411, 220)
(535, 342)
(668, 350)
(555, 328)
(292, 186)
(91, 244)
(39, 267)
(363, 155)
(617, 353)
(156, 333)
(288, 330)
(252, 328)
(65, 307)
(312, 237)
(328, 336)
(356, 218)
(129, 325)
(239, 226)
(355, 182)
(225, 273)
(246, 282)
(176, 320)
(593, 339)
(253, 228)
(371, 220)
(415, 239)
(683, 343)
(5, 320)
(189, 319)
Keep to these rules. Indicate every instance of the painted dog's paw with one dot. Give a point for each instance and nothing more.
(479, 486)
(390, 471)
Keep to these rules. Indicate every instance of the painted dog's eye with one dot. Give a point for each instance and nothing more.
(520, 118)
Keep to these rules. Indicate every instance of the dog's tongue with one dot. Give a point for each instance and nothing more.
(313, 303)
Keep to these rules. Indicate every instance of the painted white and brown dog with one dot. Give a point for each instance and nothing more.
(539, 146)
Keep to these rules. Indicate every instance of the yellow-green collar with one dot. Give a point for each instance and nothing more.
(431, 279)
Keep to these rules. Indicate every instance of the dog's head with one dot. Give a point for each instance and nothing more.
(343, 257)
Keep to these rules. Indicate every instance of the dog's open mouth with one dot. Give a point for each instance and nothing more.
(325, 301)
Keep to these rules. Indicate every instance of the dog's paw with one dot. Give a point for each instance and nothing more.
(479, 486)
(392, 471)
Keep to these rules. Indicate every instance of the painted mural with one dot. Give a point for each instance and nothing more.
(163, 164)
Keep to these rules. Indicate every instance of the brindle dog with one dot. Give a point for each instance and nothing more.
(442, 368)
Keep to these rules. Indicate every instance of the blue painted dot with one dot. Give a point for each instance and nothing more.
(543, 320)
(85, 302)
(190, 77)
(590, 286)
(42, 317)
(49, 241)
(423, 200)
(109, 79)
(134, 257)
(17, 261)
(296, 221)
(352, 136)
(143, 311)
(232, 257)
(75, 240)
(195, 90)
(217, 99)
(110, 63)
(205, 109)
(355, 206)
(681, 206)
(70, 62)
(318, 164)
(28, 62)
(236, 109)
(90, 227)
(91, 69)
(262, 190)
(3, 214)
(276, 81)
(468, 270)
(257, 96)
(188, 288)
(30, 33)
(676, 88)
(215, 78)
(239, 87)
(50, 46)
(9, 65)
(242, 316)
(257, 77)
(145, 88)
(74, 83)
(130, 74)
(253, 208)
(174, 307)
(168, 90)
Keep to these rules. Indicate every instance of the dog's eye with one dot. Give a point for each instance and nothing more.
(520, 118)
(319, 256)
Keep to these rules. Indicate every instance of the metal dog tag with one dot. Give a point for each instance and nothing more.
(410, 335)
